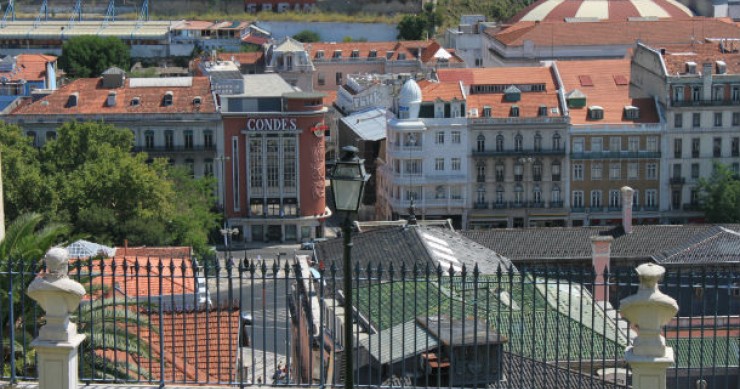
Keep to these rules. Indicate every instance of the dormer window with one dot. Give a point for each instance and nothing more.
(373, 54)
(167, 99)
(111, 101)
(389, 54)
(631, 112)
(337, 54)
(486, 111)
(514, 111)
(197, 100)
(721, 67)
(512, 94)
(73, 100)
(542, 110)
(401, 56)
(595, 112)
(135, 102)
(691, 67)
(355, 54)
(319, 54)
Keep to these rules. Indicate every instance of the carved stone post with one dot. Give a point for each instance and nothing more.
(649, 310)
(56, 346)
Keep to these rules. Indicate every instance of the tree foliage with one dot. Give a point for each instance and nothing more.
(88, 178)
(420, 26)
(91, 55)
(721, 195)
(307, 36)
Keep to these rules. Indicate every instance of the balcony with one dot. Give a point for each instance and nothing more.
(703, 103)
(615, 155)
(556, 177)
(480, 179)
(677, 180)
(519, 153)
(578, 209)
(175, 149)
(596, 209)
(480, 205)
(556, 204)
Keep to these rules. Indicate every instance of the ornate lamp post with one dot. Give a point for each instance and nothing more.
(348, 179)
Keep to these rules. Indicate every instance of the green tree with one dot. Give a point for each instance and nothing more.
(23, 186)
(411, 27)
(720, 195)
(91, 55)
(195, 216)
(307, 36)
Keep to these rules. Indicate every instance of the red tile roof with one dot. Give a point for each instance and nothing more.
(176, 275)
(676, 56)
(605, 90)
(29, 67)
(445, 91)
(93, 96)
(243, 58)
(411, 49)
(656, 32)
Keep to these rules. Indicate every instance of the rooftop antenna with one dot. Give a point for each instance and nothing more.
(9, 11)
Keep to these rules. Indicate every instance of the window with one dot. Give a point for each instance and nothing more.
(556, 141)
(555, 194)
(190, 167)
(676, 199)
(518, 194)
(696, 119)
(597, 144)
(456, 137)
(537, 171)
(718, 92)
(456, 162)
(518, 172)
(614, 199)
(578, 145)
(481, 194)
(439, 164)
(537, 194)
(51, 135)
(273, 164)
(678, 120)
(499, 195)
(677, 147)
(695, 147)
(499, 171)
(718, 119)
(486, 111)
(633, 170)
(578, 172)
(188, 138)
(481, 169)
(677, 93)
(595, 199)
(537, 142)
(651, 171)
(518, 142)
(208, 138)
(652, 144)
(615, 171)
(499, 142)
(337, 54)
(440, 138)
(577, 199)
(736, 118)
(694, 170)
(320, 79)
(169, 139)
(596, 171)
(208, 167)
(149, 139)
(735, 149)
(440, 192)
(696, 93)
(595, 113)
(555, 171)
(633, 144)
(413, 166)
(615, 144)
(167, 99)
(481, 143)
(694, 196)
(677, 170)
(255, 163)
(514, 111)
(455, 193)
(717, 147)
(339, 78)
(735, 93)
(651, 197)
(256, 208)
(289, 165)
(636, 199)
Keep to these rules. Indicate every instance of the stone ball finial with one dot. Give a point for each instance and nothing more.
(57, 260)
(650, 274)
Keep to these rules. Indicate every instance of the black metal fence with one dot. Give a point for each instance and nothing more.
(280, 321)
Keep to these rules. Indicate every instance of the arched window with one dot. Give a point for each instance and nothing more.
(518, 142)
(499, 142)
(537, 171)
(499, 171)
(537, 142)
(556, 195)
(555, 170)
(481, 194)
(537, 195)
(481, 143)
(481, 168)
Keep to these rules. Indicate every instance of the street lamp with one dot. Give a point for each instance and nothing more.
(348, 179)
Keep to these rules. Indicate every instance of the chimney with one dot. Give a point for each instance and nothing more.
(600, 255)
(627, 194)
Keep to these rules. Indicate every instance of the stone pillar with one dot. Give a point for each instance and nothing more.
(649, 310)
(600, 257)
(56, 346)
(627, 194)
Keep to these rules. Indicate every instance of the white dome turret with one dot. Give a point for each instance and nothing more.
(409, 100)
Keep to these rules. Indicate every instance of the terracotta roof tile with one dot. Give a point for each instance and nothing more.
(676, 56)
(655, 32)
(445, 91)
(243, 58)
(603, 90)
(29, 67)
(93, 96)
